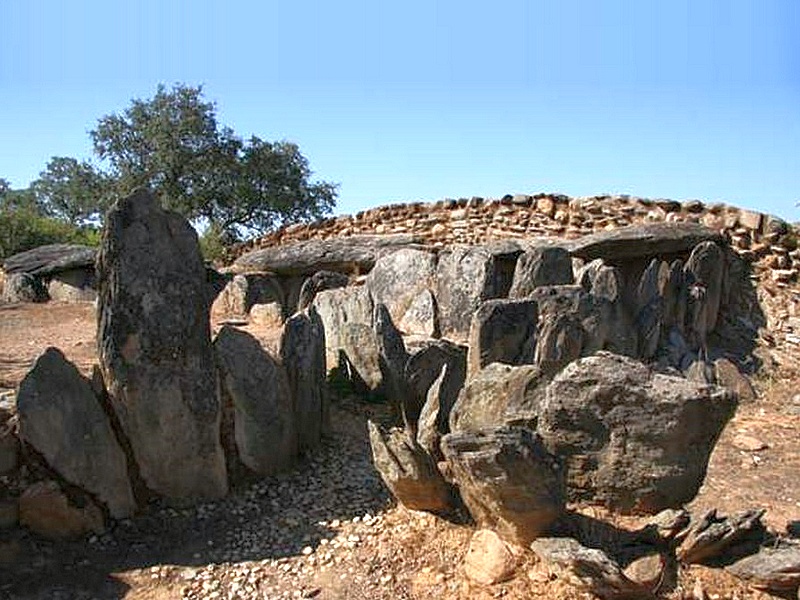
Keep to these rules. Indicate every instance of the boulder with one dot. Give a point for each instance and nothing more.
(466, 276)
(23, 287)
(729, 376)
(399, 277)
(302, 352)
(547, 265)
(643, 241)
(269, 315)
(244, 291)
(499, 394)
(392, 358)
(256, 391)
(502, 331)
(48, 512)
(561, 336)
(154, 345)
(318, 282)
(507, 480)
(610, 416)
(424, 365)
(650, 307)
(408, 471)
(489, 560)
(355, 254)
(62, 419)
(715, 540)
(74, 285)
(433, 420)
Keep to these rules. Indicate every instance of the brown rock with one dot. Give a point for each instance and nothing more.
(45, 510)
(647, 570)
(489, 559)
(728, 376)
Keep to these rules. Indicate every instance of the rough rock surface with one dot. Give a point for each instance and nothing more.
(244, 291)
(424, 365)
(775, 569)
(356, 254)
(258, 393)
(502, 331)
(52, 258)
(339, 310)
(399, 277)
(154, 345)
(74, 285)
(408, 471)
(499, 394)
(624, 430)
(302, 353)
(507, 479)
(548, 265)
(465, 277)
(61, 417)
(23, 287)
(318, 282)
(421, 316)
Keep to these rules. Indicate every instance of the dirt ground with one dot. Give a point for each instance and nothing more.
(368, 547)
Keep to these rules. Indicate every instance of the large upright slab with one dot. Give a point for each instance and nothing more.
(155, 351)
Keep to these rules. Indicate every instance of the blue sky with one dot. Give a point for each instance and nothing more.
(420, 100)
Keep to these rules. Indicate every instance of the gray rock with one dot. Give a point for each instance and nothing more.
(318, 282)
(49, 259)
(608, 416)
(245, 291)
(302, 351)
(421, 317)
(408, 471)
(433, 422)
(339, 309)
(424, 365)
(507, 479)
(354, 254)
(650, 307)
(643, 241)
(60, 416)
(154, 345)
(561, 336)
(23, 287)
(775, 569)
(722, 540)
(466, 276)
(549, 265)
(256, 391)
(502, 331)
(589, 569)
(499, 394)
(704, 273)
(392, 358)
(74, 285)
(399, 277)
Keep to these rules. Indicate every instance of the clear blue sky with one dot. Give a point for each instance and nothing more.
(420, 100)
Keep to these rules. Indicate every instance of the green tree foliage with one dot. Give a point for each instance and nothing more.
(23, 224)
(173, 144)
(72, 191)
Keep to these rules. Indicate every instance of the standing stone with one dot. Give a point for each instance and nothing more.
(257, 391)
(704, 273)
(502, 331)
(244, 291)
(340, 309)
(47, 511)
(23, 287)
(154, 344)
(650, 307)
(318, 282)
(302, 350)
(398, 278)
(392, 358)
(465, 277)
(61, 417)
(549, 265)
(424, 366)
(507, 479)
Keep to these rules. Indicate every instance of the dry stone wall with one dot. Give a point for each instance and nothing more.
(767, 242)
